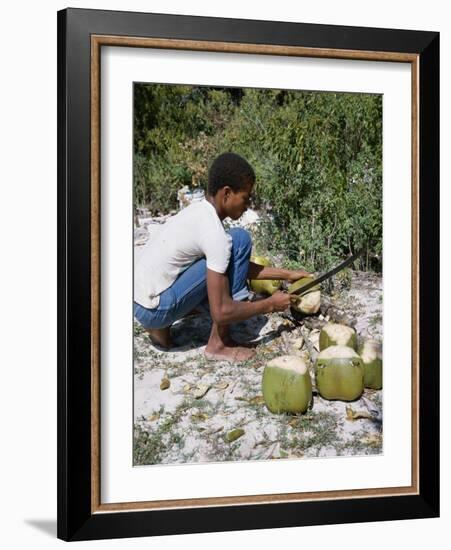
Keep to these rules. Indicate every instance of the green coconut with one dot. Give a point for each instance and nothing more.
(309, 302)
(334, 334)
(263, 286)
(339, 373)
(286, 385)
(371, 353)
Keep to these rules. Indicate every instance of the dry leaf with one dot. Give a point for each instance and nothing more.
(186, 388)
(351, 414)
(374, 440)
(221, 385)
(200, 390)
(153, 417)
(165, 384)
(257, 400)
(199, 416)
(233, 435)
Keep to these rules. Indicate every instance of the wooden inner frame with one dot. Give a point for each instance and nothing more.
(97, 41)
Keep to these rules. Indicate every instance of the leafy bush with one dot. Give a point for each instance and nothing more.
(317, 158)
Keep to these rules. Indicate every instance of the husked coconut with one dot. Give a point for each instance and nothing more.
(334, 334)
(286, 385)
(309, 302)
(339, 373)
(371, 353)
(263, 286)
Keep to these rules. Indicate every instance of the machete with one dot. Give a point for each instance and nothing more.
(328, 274)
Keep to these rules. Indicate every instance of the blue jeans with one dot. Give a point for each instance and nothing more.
(189, 290)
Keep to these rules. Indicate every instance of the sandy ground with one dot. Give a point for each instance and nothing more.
(189, 409)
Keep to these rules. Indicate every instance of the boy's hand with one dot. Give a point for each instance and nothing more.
(280, 301)
(297, 274)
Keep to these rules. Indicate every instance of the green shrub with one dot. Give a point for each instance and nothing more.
(317, 158)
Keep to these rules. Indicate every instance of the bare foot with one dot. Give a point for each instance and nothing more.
(222, 347)
(160, 337)
(231, 343)
(233, 354)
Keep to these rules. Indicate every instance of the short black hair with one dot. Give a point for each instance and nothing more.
(232, 170)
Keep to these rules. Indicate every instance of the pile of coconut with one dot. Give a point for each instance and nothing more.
(342, 369)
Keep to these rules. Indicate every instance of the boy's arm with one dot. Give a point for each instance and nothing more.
(225, 310)
(256, 271)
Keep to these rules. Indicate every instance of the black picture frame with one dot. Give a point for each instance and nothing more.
(78, 516)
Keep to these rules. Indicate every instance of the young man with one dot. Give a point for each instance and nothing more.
(194, 264)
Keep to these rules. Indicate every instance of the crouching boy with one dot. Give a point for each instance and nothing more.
(193, 263)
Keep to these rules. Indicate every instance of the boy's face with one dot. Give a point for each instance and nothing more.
(237, 203)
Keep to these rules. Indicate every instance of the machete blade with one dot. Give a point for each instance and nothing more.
(328, 274)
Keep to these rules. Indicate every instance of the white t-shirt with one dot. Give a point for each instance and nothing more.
(193, 233)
